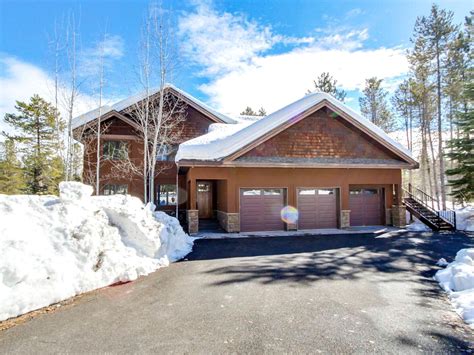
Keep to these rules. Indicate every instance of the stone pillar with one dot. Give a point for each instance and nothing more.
(291, 226)
(399, 216)
(388, 217)
(345, 218)
(192, 218)
(233, 222)
(230, 222)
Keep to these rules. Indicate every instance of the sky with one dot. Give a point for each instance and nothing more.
(229, 53)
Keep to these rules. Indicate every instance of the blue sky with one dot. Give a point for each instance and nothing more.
(231, 53)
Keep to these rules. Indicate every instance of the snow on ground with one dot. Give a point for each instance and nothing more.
(457, 279)
(54, 248)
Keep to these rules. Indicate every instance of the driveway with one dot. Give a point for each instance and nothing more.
(343, 293)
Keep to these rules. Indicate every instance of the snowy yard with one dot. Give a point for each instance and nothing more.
(54, 248)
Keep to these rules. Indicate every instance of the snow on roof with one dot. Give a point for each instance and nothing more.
(129, 101)
(227, 144)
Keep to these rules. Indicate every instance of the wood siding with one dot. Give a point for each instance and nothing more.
(321, 135)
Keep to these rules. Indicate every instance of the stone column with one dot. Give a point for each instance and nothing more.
(345, 218)
(291, 226)
(399, 216)
(192, 218)
(233, 222)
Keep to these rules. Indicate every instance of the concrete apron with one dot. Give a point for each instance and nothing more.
(299, 233)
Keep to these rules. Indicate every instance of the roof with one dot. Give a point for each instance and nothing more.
(212, 147)
(125, 103)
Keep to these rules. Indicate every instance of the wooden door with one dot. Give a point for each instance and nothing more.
(260, 209)
(204, 199)
(366, 207)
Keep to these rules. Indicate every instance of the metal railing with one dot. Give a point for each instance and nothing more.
(429, 203)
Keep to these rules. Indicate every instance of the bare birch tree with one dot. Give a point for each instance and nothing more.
(160, 113)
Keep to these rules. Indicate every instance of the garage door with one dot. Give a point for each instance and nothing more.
(317, 208)
(366, 207)
(260, 209)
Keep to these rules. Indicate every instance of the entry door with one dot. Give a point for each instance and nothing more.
(366, 207)
(204, 199)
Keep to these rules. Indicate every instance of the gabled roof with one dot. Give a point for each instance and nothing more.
(132, 100)
(220, 147)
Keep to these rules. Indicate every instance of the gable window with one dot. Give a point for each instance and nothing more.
(167, 195)
(113, 189)
(115, 150)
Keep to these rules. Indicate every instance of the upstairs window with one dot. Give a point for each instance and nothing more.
(115, 150)
(166, 153)
(113, 189)
(167, 195)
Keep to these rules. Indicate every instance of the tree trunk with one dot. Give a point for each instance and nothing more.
(440, 131)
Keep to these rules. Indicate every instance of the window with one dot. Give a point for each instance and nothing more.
(167, 195)
(272, 192)
(115, 150)
(203, 187)
(252, 192)
(307, 192)
(166, 153)
(113, 189)
(326, 192)
(356, 192)
(371, 191)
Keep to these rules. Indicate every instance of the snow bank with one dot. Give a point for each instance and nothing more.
(465, 218)
(457, 279)
(54, 248)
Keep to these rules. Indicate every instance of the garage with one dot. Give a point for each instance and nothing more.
(317, 208)
(366, 206)
(260, 209)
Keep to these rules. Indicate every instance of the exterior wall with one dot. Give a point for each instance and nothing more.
(196, 124)
(294, 178)
(321, 135)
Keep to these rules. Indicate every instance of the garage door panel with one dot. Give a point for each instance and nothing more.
(365, 206)
(317, 208)
(260, 209)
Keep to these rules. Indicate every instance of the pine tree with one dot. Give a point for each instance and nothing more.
(437, 29)
(326, 83)
(12, 179)
(248, 112)
(374, 105)
(462, 149)
(36, 124)
(262, 112)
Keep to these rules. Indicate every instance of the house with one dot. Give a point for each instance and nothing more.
(332, 166)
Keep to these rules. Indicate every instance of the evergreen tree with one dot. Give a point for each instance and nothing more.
(248, 112)
(374, 105)
(36, 124)
(12, 179)
(326, 83)
(462, 149)
(262, 112)
(437, 29)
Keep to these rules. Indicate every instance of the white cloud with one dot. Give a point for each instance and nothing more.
(235, 55)
(107, 50)
(20, 80)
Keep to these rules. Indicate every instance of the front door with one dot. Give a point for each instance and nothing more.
(204, 199)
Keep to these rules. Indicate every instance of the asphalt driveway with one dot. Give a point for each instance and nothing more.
(344, 293)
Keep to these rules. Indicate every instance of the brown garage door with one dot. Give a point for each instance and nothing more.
(317, 208)
(260, 209)
(366, 207)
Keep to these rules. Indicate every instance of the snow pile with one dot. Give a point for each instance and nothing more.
(54, 248)
(418, 226)
(457, 279)
(465, 218)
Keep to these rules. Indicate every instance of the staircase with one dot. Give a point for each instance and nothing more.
(210, 225)
(422, 206)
